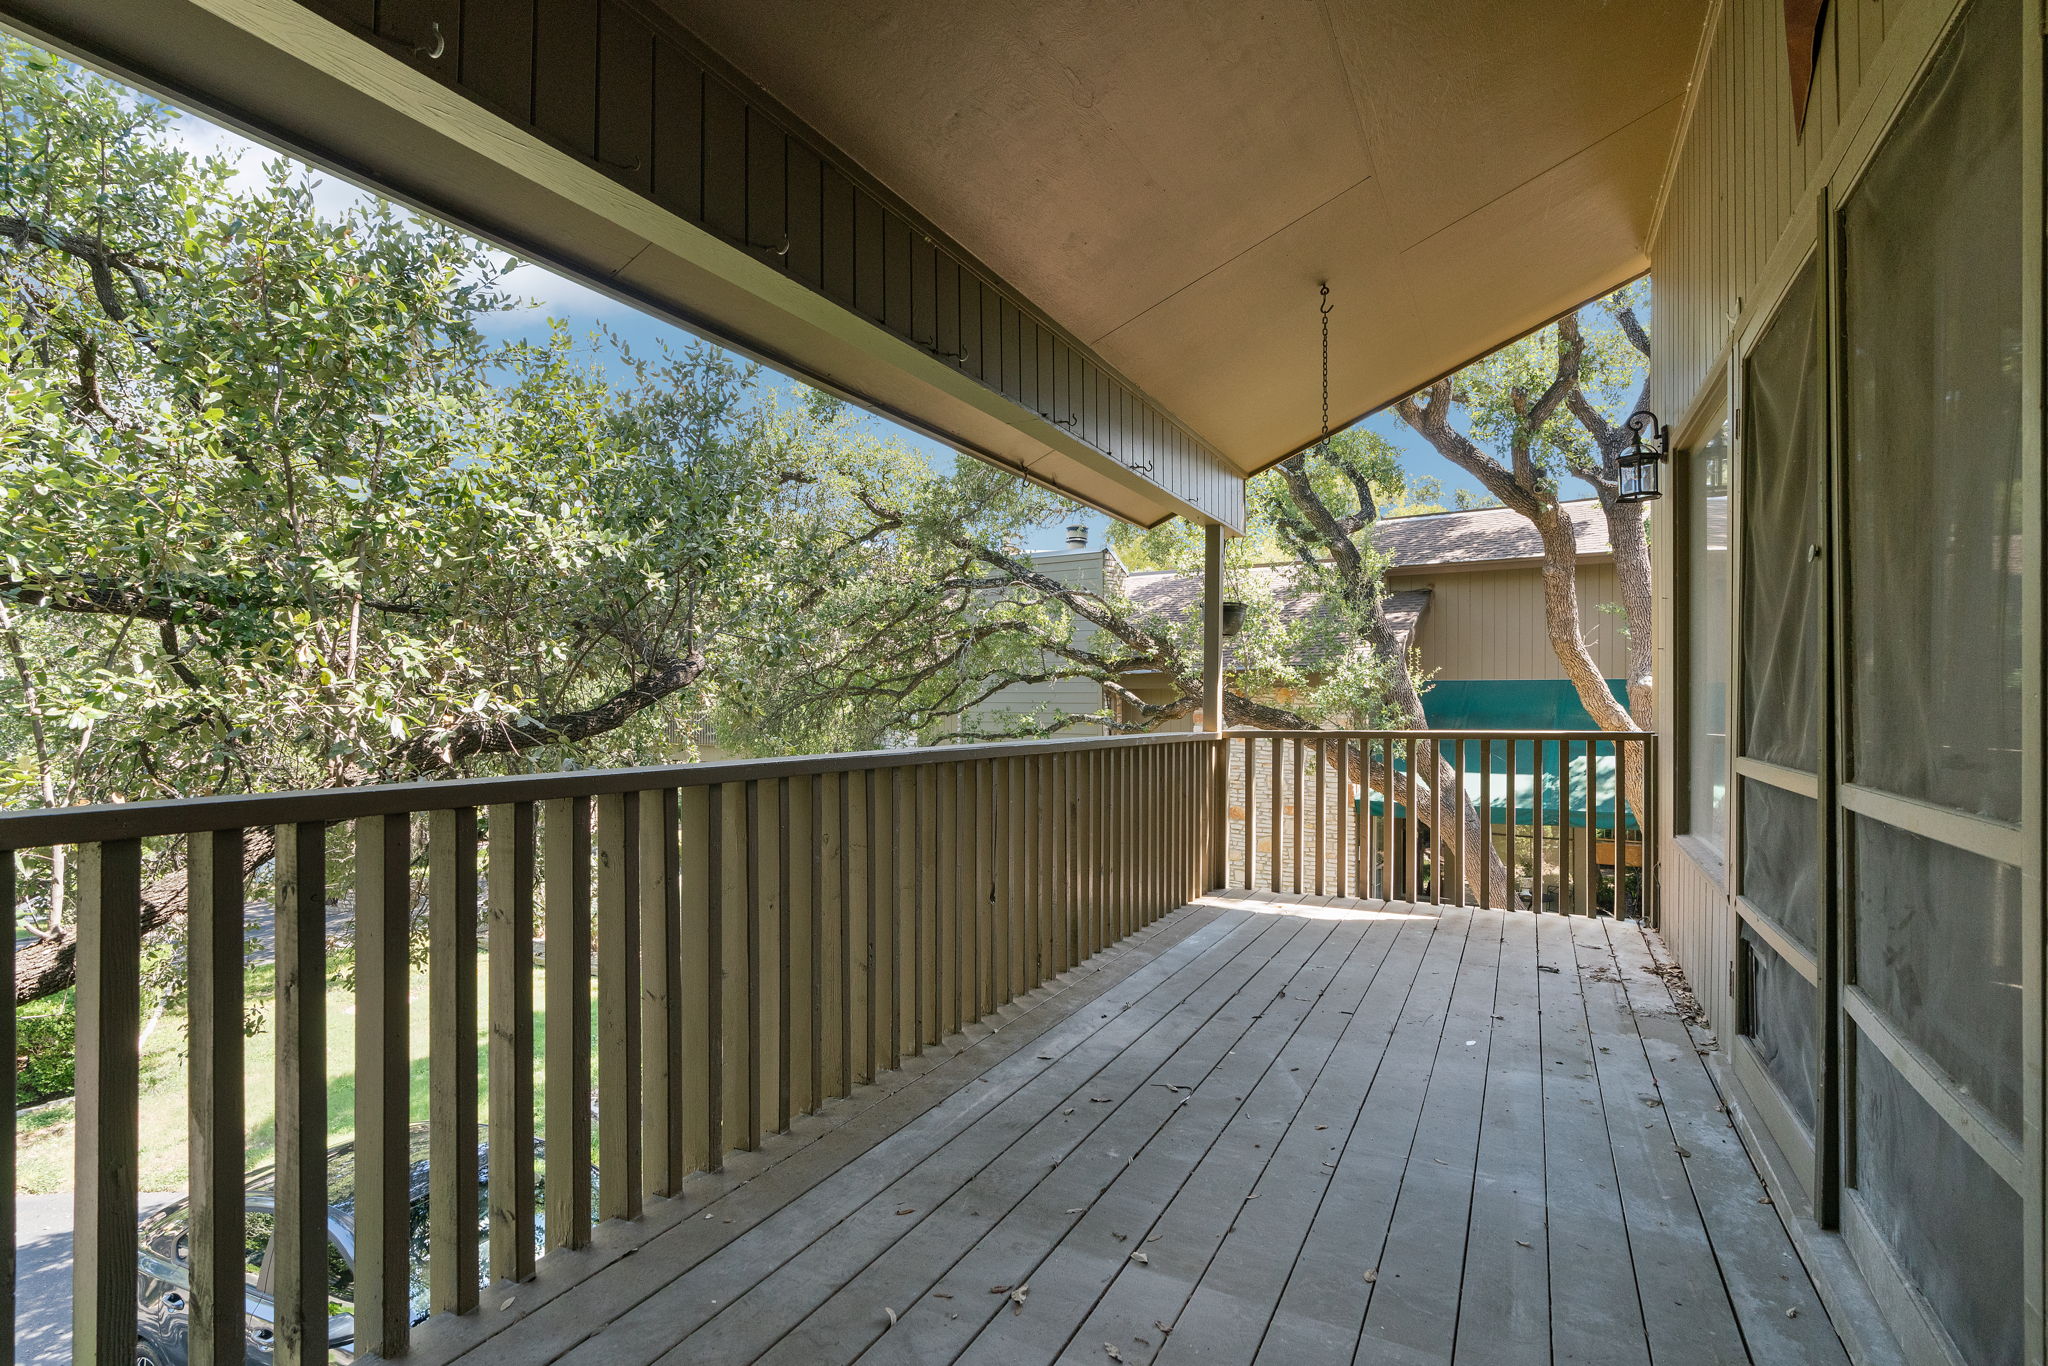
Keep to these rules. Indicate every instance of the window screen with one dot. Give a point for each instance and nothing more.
(1706, 589)
(1781, 574)
(1952, 1222)
(1932, 290)
(1781, 857)
(1938, 951)
(1782, 1010)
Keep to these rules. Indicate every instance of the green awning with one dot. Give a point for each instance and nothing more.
(1510, 704)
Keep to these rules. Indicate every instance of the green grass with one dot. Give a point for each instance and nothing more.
(45, 1151)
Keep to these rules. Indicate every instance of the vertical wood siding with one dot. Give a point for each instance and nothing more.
(1745, 175)
(1489, 623)
(612, 83)
(1699, 926)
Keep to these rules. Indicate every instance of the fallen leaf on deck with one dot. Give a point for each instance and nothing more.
(1017, 1298)
(1372, 1275)
(906, 1211)
(1140, 1258)
(1114, 1354)
(999, 1289)
(891, 1313)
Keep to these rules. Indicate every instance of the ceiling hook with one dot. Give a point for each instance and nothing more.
(440, 45)
(1324, 290)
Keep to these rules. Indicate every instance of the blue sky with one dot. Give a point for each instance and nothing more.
(584, 309)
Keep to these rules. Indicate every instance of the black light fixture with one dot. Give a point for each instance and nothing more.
(1641, 476)
(1233, 619)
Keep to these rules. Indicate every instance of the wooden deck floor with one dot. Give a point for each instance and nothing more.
(1291, 1131)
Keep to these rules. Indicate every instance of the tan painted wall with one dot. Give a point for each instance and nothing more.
(1489, 623)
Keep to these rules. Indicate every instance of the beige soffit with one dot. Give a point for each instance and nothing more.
(1169, 180)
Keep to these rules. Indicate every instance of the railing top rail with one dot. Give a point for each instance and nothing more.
(32, 829)
(1497, 733)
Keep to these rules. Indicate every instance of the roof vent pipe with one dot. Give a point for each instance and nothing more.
(1077, 537)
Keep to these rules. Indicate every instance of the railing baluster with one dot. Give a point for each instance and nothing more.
(697, 953)
(912, 914)
(1646, 823)
(1590, 898)
(213, 961)
(733, 919)
(1457, 809)
(661, 994)
(865, 1001)
(1072, 905)
(896, 922)
(109, 971)
(619, 1171)
(1567, 834)
(984, 934)
(299, 1260)
(383, 1215)
(800, 949)
(565, 824)
(934, 944)
(509, 896)
(1486, 821)
(1023, 907)
(828, 888)
(765, 953)
(1438, 842)
(451, 1067)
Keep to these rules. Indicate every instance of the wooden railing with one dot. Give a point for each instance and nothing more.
(766, 935)
(1558, 820)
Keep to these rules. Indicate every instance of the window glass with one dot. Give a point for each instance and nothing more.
(1931, 290)
(1705, 806)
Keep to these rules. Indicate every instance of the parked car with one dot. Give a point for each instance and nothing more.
(164, 1270)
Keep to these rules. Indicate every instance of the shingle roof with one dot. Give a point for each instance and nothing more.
(1482, 534)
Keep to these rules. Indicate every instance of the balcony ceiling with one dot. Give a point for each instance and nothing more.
(1169, 180)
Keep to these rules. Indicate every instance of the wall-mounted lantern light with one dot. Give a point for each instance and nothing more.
(1642, 476)
(1233, 619)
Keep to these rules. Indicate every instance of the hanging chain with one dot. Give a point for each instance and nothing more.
(1325, 290)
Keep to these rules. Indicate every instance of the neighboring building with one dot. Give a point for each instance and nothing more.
(1466, 588)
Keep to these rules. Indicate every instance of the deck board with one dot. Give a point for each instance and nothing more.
(1334, 1130)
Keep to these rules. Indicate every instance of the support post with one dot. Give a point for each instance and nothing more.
(1212, 703)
